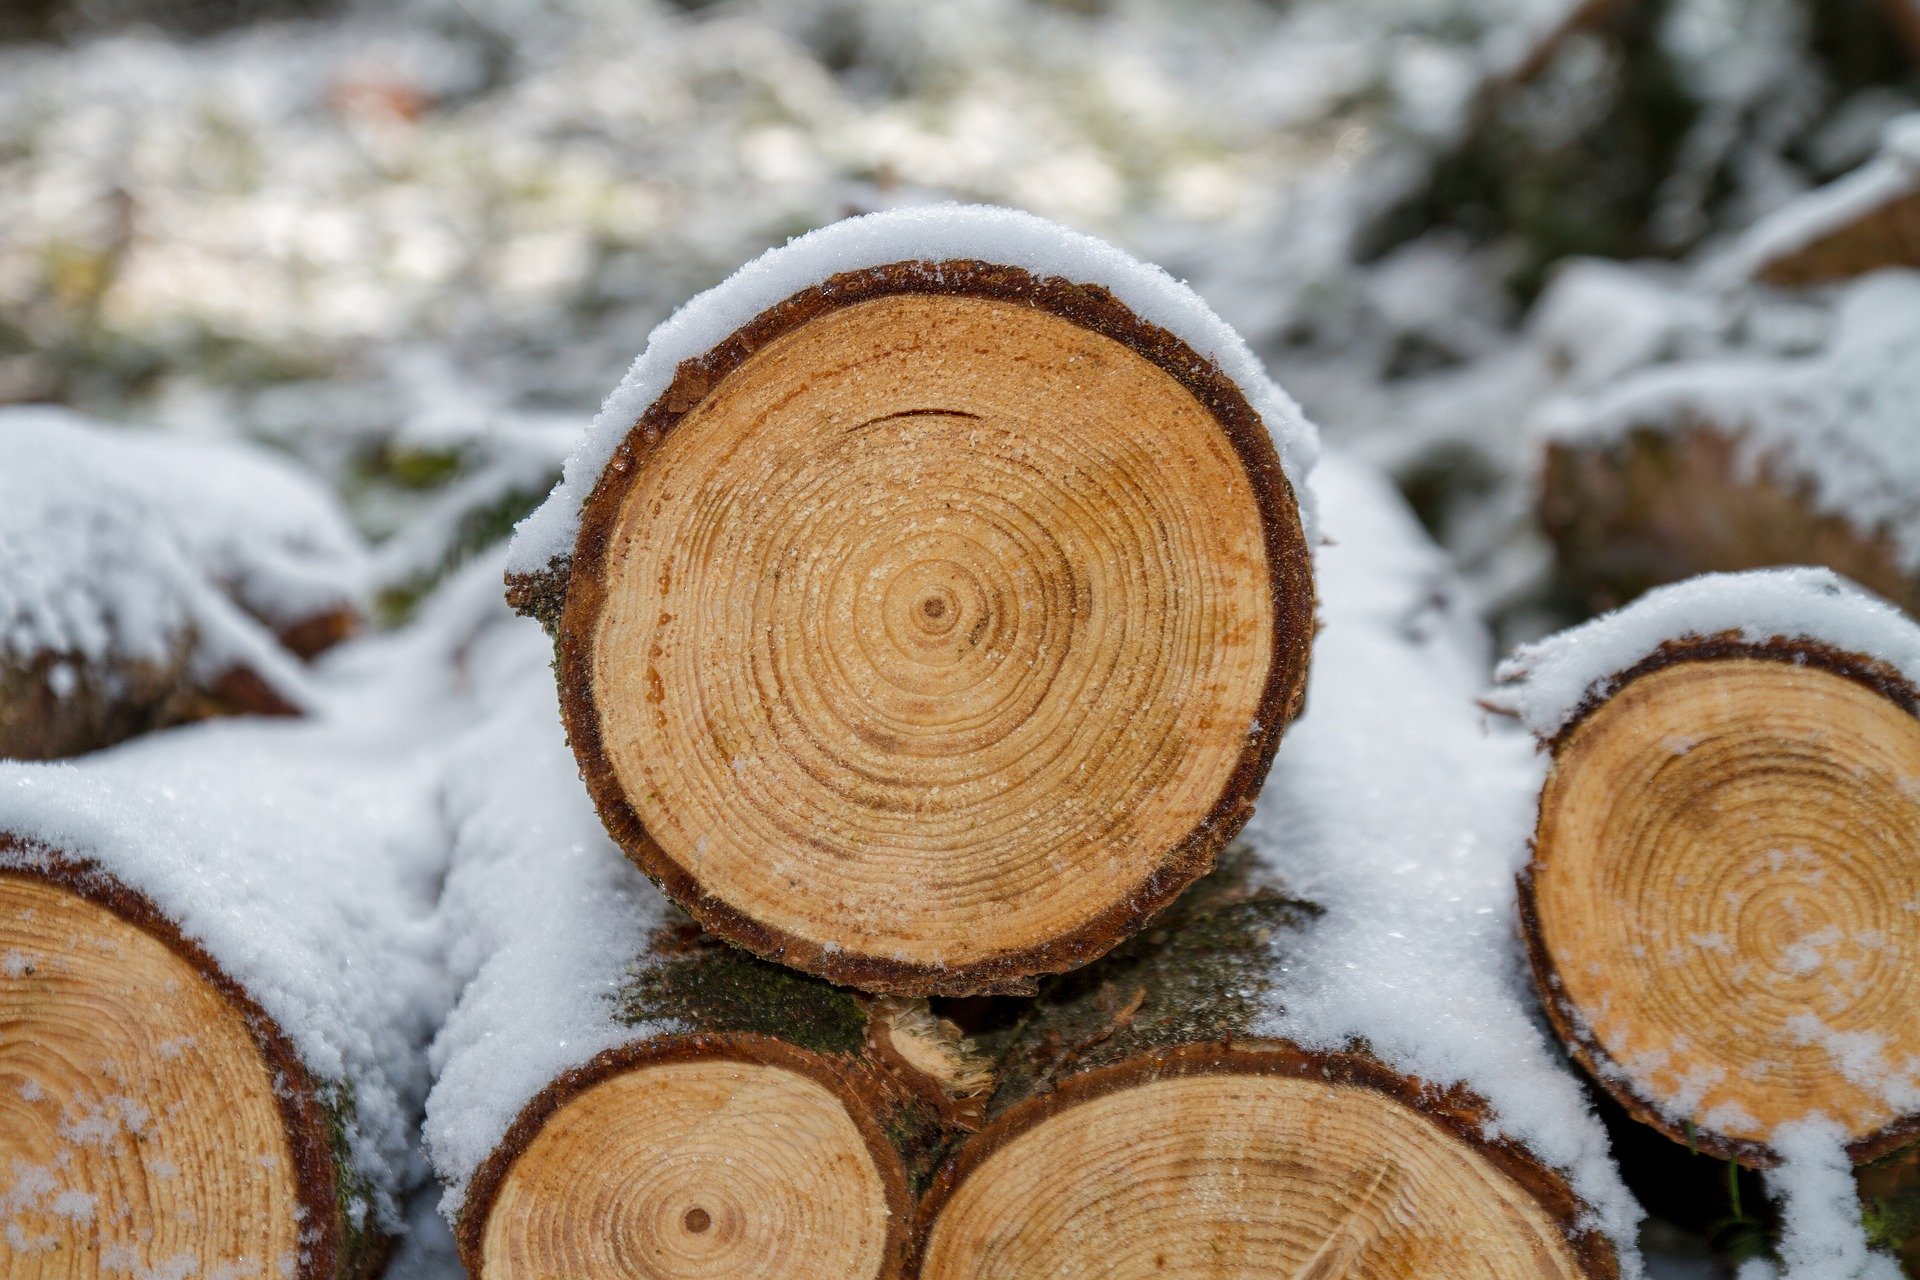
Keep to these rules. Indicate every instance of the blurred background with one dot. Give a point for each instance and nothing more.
(414, 243)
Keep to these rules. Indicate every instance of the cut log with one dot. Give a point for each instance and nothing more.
(934, 624)
(1866, 221)
(1723, 907)
(151, 582)
(1733, 464)
(153, 1071)
(1143, 1128)
(214, 1014)
(619, 1093)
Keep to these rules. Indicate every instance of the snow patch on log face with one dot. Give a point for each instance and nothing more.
(1397, 808)
(935, 233)
(304, 862)
(120, 545)
(1840, 421)
(1820, 1235)
(1549, 683)
(545, 919)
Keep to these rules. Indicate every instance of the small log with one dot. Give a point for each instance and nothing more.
(1868, 220)
(1721, 906)
(784, 1129)
(1665, 504)
(1141, 1128)
(935, 627)
(134, 1061)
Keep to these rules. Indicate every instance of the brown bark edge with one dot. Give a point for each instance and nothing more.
(1566, 1020)
(1458, 1111)
(330, 1252)
(568, 598)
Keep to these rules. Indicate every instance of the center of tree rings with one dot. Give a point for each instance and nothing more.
(698, 1219)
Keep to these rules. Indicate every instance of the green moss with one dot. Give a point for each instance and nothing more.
(362, 1244)
(708, 986)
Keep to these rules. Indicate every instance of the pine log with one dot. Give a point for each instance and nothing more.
(1868, 220)
(783, 1129)
(153, 1110)
(1662, 505)
(935, 628)
(1141, 1127)
(1721, 906)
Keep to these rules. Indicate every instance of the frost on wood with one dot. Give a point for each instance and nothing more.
(1402, 813)
(1550, 683)
(1747, 461)
(301, 865)
(150, 580)
(933, 234)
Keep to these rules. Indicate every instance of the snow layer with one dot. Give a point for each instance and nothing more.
(929, 233)
(1396, 806)
(120, 545)
(1546, 683)
(305, 864)
(1841, 420)
(545, 915)
(1820, 1233)
(1893, 174)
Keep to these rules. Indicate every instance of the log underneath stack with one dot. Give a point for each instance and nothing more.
(935, 629)
(1139, 1129)
(150, 1110)
(783, 1129)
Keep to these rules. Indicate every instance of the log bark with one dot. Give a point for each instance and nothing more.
(1657, 506)
(1142, 1127)
(1714, 910)
(784, 1127)
(935, 630)
(152, 1109)
(55, 705)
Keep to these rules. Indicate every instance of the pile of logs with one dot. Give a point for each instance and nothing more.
(925, 630)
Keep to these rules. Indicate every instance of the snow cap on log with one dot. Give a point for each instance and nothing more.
(297, 878)
(929, 234)
(1550, 684)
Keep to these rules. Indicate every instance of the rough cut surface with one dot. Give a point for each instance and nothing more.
(937, 233)
(1839, 422)
(1396, 807)
(1549, 683)
(122, 547)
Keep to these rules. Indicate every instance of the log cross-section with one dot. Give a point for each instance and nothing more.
(936, 629)
(1723, 908)
(153, 1118)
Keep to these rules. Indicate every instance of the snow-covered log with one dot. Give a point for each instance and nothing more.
(218, 975)
(1317, 1062)
(1749, 462)
(146, 581)
(1863, 222)
(1723, 907)
(613, 1084)
(930, 599)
